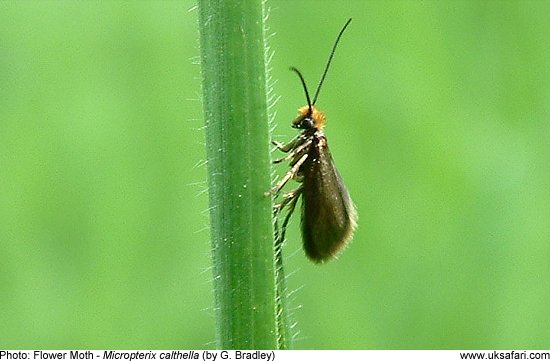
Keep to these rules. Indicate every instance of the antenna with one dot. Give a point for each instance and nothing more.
(304, 85)
(326, 67)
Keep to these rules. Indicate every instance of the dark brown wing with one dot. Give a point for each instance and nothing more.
(328, 214)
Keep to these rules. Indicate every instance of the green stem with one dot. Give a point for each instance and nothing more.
(247, 295)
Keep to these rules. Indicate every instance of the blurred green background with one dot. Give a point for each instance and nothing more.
(438, 119)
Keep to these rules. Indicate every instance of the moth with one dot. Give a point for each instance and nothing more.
(328, 214)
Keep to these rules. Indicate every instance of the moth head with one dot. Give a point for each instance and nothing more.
(309, 118)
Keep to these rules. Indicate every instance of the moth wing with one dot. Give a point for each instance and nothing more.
(328, 214)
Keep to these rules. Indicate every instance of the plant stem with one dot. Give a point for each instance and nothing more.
(237, 144)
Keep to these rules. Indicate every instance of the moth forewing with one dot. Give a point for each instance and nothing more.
(328, 214)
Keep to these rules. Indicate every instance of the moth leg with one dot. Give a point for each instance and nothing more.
(296, 150)
(293, 199)
(288, 146)
(290, 200)
(288, 176)
(286, 157)
(287, 198)
(283, 147)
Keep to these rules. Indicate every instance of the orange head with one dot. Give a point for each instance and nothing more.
(309, 118)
